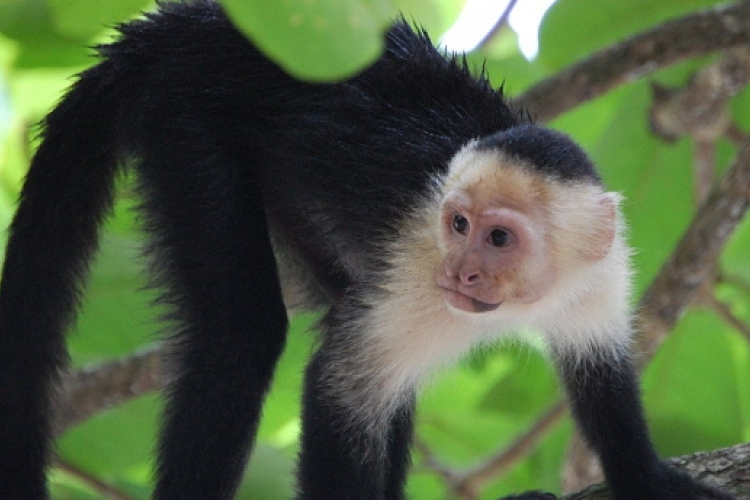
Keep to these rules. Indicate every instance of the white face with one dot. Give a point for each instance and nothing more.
(507, 234)
(490, 251)
(523, 251)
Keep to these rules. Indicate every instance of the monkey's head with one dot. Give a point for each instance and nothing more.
(512, 231)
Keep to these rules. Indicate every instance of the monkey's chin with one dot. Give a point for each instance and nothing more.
(466, 303)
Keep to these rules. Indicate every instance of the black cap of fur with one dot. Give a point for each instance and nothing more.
(552, 153)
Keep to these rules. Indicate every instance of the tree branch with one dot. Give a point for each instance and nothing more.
(93, 389)
(689, 36)
(100, 487)
(499, 24)
(471, 483)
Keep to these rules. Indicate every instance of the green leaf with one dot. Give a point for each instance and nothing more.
(694, 387)
(30, 23)
(114, 441)
(83, 19)
(58, 32)
(529, 386)
(269, 475)
(320, 40)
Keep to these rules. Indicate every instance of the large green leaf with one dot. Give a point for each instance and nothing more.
(525, 389)
(30, 23)
(113, 442)
(695, 386)
(433, 15)
(269, 475)
(315, 40)
(59, 32)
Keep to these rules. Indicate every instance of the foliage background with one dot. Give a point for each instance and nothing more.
(697, 390)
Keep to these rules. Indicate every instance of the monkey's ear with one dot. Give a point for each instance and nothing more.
(601, 234)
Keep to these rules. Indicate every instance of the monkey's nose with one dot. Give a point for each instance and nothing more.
(469, 278)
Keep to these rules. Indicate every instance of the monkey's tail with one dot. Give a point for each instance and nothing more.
(68, 192)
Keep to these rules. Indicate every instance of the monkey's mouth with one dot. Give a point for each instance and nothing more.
(467, 303)
(481, 307)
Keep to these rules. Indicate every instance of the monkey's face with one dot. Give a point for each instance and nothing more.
(509, 235)
(493, 254)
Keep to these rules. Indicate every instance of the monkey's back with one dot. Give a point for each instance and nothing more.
(368, 146)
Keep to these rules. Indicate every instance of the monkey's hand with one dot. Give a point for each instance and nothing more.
(531, 495)
(670, 484)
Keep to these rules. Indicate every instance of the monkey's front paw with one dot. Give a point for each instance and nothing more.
(675, 485)
(531, 495)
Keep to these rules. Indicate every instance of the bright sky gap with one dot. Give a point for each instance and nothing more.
(479, 16)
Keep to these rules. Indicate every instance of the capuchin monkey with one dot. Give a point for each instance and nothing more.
(422, 210)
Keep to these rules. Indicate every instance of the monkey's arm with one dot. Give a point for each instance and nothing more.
(604, 400)
(592, 354)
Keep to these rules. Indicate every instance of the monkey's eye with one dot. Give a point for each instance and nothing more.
(500, 238)
(460, 223)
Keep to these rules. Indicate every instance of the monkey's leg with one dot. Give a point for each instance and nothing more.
(531, 495)
(213, 251)
(353, 448)
(605, 402)
(399, 443)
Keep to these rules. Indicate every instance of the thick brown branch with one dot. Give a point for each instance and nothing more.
(683, 38)
(91, 390)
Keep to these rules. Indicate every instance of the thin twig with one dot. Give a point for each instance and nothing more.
(471, 483)
(726, 314)
(101, 488)
(96, 388)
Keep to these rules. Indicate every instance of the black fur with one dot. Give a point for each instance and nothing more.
(228, 149)
(560, 157)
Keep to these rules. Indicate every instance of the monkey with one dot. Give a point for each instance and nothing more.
(423, 211)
